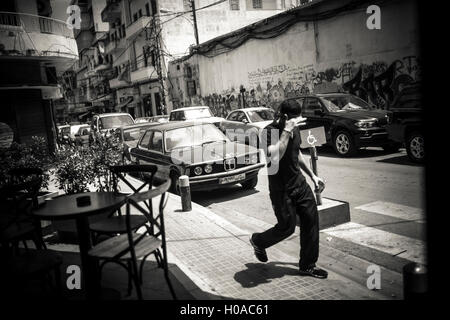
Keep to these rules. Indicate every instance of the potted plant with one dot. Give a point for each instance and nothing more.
(32, 155)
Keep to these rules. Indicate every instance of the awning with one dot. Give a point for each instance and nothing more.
(123, 104)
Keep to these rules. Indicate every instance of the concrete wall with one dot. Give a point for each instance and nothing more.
(340, 53)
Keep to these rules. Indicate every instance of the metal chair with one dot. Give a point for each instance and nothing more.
(18, 198)
(115, 222)
(130, 246)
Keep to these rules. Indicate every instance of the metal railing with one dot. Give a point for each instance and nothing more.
(34, 23)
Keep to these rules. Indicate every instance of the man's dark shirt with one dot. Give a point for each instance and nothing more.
(289, 176)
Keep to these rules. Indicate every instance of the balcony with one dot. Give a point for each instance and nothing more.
(134, 28)
(38, 36)
(140, 72)
(112, 11)
(116, 46)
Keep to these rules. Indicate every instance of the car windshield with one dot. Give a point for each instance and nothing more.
(348, 102)
(65, 130)
(330, 106)
(76, 128)
(115, 121)
(196, 135)
(132, 134)
(197, 113)
(260, 115)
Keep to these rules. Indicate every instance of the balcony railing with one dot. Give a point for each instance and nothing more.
(142, 72)
(34, 23)
(138, 25)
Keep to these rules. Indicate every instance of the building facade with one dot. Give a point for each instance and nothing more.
(86, 83)
(144, 35)
(35, 49)
(322, 46)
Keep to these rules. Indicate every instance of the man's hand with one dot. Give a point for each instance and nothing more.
(319, 183)
(292, 123)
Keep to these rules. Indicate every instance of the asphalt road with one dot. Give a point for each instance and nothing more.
(385, 192)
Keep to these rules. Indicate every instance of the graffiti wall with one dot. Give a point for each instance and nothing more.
(332, 55)
(378, 83)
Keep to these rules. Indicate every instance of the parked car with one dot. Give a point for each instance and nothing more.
(241, 124)
(200, 151)
(350, 125)
(82, 136)
(157, 119)
(405, 124)
(107, 123)
(197, 113)
(130, 135)
(63, 133)
(74, 129)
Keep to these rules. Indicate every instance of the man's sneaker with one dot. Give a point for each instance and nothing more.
(260, 253)
(314, 272)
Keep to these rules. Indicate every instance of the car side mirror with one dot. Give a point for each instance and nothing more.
(77, 134)
(244, 121)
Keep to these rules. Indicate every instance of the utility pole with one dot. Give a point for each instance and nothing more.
(194, 17)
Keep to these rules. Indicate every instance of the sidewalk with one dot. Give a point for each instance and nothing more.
(215, 261)
(211, 258)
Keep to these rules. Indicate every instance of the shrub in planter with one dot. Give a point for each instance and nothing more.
(75, 170)
(32, 155)
(107, 151)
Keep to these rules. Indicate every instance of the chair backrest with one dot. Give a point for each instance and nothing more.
(156, 222)
(26, 181)
(145, 172)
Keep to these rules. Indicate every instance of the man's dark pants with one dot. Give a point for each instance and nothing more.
(303, 203)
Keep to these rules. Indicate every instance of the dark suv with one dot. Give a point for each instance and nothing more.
(405, 124)
(350, 123)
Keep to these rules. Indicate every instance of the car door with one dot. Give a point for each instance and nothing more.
(317, 115)
(239, 126)
(154, 154)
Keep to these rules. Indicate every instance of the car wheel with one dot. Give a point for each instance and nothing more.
(343, 144)
(415, 147)
(175, 184)
(393, 147)
(250, 184)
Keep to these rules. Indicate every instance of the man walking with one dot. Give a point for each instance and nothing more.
(290, 194)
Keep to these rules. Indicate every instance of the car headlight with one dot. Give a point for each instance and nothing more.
(208, 168)
(365, 124)
(198, 171)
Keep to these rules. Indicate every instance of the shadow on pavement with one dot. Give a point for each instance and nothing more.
(206, 198)
(328, 151)
(259, 273)
(403, 160)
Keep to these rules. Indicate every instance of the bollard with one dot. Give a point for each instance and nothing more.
(414, 281)
(314, 158)
(185, 193)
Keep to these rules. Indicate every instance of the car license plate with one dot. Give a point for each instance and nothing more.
(237, 177)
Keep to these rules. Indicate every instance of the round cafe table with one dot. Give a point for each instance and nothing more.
(65, 207)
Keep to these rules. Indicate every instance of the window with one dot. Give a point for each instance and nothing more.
(241, 117)
(123, 31)
(135, 17)
(147, 9)
(156, 142)
(187, 5)
(257, 4)
(311, 104)
(234, 4)
(146, 139)
(140, 13)
(154, 10)
(232, 116)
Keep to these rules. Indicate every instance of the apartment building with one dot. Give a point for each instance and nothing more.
(35, 49)
(144, 35)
